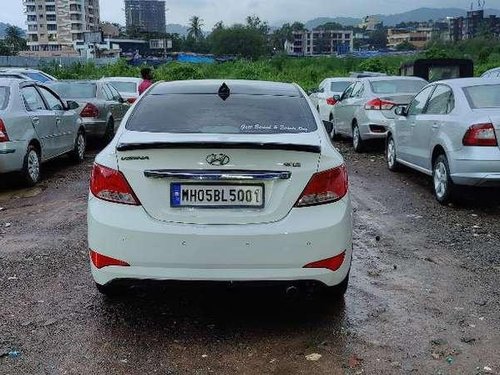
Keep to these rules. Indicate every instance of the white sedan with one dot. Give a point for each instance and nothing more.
(324, 98)
(128, 87)
(246, 188)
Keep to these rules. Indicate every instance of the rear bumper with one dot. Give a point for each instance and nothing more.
(11, 156)
(94, 127)
(257, 252)
(476, 166)
(374, 120)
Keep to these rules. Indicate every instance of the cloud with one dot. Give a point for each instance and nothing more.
(233, 11)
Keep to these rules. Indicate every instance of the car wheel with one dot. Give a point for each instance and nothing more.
(443, 185)
(340, 289)
(78, 153)
(357, 142)
(110, 131)
(390, 154)
(31, 166)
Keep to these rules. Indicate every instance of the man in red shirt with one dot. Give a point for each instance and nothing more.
(147, 80)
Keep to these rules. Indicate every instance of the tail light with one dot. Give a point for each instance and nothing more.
(325, 187)
(3, 132)
(131, 100)
(332, 264)
(101, 261)
(331, 101)
(112, 186)
(480, 135)
(379, 105)
(90, 110)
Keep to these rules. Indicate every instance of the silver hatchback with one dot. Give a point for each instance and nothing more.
(366, 108)
(36, 126)
(450, 131)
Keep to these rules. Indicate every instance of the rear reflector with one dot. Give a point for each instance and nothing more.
(325, 187)
(480, 135)
(379, 105)
(101, 261)
(112, 186)
(331, 101)
(3, 132)
(332, 264)
(90, 110)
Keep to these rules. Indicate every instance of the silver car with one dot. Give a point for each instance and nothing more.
(26, 73)
(100, 105)
(36, 126)
(449, 131)
(492, 73)
(366, 108)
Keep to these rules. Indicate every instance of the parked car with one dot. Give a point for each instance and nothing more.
(36, 126)
(366, 108)
(100, 105)
(492, 73)
(246, 188)
(366, 74)
(128, 87)
(26, 73)
(449, 131)
(324, 97)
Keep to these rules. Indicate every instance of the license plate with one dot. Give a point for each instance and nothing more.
(216, 195)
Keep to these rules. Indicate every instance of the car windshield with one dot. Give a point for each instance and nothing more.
(239, 114)
(339, 86)
(483, 96)
(37, 76)
(75, 90)
(4, 96)
(124, 86)
(395, 86)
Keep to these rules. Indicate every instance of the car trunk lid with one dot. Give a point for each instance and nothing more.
(164, 169)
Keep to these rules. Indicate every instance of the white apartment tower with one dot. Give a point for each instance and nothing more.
(55, 26)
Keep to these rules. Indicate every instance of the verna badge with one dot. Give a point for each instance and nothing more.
(218, 159)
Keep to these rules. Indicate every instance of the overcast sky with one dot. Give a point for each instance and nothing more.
(232, 11)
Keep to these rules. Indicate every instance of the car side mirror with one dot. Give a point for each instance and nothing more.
(328, 126)
(337, 98)
(71, 104)
(401, 111)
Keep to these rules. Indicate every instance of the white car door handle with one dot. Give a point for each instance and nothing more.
(58, 121)
(35, 120)
(435, 126)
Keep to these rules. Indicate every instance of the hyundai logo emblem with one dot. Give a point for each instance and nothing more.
(218, 159)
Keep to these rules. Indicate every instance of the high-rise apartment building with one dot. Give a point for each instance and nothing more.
(55, 26)
(145, 16)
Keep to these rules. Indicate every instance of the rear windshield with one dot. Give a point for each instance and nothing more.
(395, 86)
(124, 86)
(339, 86)
(4, 97)
(209, 114)
(75, 90)
(483, 96)
(37, 76)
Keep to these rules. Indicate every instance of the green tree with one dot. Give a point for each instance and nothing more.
(14, 40)
(378, 39)
(405, 46)
(330, 26)
(238, 40)
(195, 28)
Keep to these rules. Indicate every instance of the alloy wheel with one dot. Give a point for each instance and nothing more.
(33, 165)
(440, 179)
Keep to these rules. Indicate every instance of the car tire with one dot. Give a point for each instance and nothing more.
(110, 130)
(30, 173)
(444, 188)
(390, 155)
(357, 142)
(111, 291)
(78, 152)
(339, 290)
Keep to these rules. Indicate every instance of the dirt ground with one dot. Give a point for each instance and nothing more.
(424, 296)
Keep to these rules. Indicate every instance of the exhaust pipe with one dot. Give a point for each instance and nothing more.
(291, 291)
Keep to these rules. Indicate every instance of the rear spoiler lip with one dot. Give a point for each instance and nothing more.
(218, 145)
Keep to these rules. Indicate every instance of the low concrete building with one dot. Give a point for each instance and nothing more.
(320, 42)
(417, 38)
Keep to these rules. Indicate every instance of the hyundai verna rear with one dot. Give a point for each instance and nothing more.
(220, 181)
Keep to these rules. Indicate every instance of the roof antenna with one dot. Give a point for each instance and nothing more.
(224, 91)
